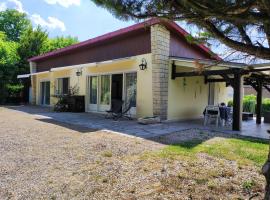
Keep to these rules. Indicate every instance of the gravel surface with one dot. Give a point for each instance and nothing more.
(44, 159)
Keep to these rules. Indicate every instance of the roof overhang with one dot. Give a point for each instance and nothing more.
(191, 62)
(170, 25)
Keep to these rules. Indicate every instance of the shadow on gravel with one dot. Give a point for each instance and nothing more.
(73, 127)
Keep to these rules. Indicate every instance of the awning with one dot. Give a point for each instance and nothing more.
(23, 76)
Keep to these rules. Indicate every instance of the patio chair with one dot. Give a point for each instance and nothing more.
(125, 111)
(116, 107)
(211, 113)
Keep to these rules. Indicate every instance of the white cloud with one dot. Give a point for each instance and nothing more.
(3, 6)
(51, 23)
(14, 4)
(64, 3)
(17, 5)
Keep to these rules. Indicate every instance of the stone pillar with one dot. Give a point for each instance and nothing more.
(160, 49)
(33, 82)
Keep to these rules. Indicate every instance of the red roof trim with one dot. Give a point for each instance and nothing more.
(120, 32)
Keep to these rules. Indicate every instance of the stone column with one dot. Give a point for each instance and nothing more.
(160, 48)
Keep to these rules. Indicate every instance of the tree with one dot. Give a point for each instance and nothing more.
(58, 42)
(8, 60)
(13, 24)
(243, 25)
(30, 45)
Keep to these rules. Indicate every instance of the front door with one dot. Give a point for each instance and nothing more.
(45, 93)
(105, 93)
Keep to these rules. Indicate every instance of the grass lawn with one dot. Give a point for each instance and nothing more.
(210, 164)
(243, 151)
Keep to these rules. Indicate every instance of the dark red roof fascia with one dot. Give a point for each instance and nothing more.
(120, 32)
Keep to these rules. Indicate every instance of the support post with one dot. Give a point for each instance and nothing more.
(259, 102)
(237, 102)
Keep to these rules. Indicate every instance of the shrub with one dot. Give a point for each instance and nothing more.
(250, 102)
(265, 105)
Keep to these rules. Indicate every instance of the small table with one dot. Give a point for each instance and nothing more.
(247, 116)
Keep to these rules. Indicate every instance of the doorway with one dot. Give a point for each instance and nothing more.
(45, 93)
(117, 87)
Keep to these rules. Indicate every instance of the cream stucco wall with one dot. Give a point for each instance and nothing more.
(187, 97)
(144, 80)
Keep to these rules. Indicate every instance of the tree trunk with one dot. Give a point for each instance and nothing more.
(266, 173)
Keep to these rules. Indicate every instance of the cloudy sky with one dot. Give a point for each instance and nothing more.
(79, 18)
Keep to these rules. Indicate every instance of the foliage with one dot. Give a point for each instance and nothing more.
(249, 104)
(19, 41)
(241, 25)
(8, 60)
(13, 24)
(58, 42)
(14, 90)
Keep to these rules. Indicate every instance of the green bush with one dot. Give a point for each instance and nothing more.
(249, 104)
(265, 105)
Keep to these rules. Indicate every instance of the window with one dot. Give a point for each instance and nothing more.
(62, 86)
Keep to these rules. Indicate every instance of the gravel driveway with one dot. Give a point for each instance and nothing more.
(42, 160)
(45, 159)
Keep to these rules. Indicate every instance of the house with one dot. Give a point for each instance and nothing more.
(135, 62)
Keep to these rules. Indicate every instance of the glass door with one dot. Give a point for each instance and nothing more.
(105, 93)
(93, 93)
(131, 91)
(45, 93)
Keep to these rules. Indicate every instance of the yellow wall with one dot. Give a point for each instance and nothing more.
(144, 80)
(187, 97)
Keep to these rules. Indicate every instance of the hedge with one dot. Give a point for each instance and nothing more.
(249, 104)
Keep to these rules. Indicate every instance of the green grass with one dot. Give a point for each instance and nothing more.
(243, 151)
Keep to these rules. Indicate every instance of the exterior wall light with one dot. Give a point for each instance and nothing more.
(79, 72)
(143, 65)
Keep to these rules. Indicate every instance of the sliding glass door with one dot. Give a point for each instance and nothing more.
(105, 93)
(103, 88)
(131, 91)
(93, 93)
(45, 93)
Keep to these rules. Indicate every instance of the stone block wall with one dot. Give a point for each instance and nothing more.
(160, 49)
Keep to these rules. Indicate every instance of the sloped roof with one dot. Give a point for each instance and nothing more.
(172, 26)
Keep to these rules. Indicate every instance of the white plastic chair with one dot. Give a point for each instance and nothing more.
(211, 113)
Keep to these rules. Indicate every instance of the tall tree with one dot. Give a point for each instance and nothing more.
(243, 25)
(8, 60)
(13, 24)
(30, 44)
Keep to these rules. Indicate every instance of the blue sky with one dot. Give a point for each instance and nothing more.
(80, 18)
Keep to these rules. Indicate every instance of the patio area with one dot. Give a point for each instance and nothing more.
(132, 128)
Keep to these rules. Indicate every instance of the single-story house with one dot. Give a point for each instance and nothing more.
(151, 62)
(109, 67)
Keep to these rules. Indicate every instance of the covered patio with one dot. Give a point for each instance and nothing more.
(233, 74)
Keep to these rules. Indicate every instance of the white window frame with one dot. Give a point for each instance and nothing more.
(57, 91)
